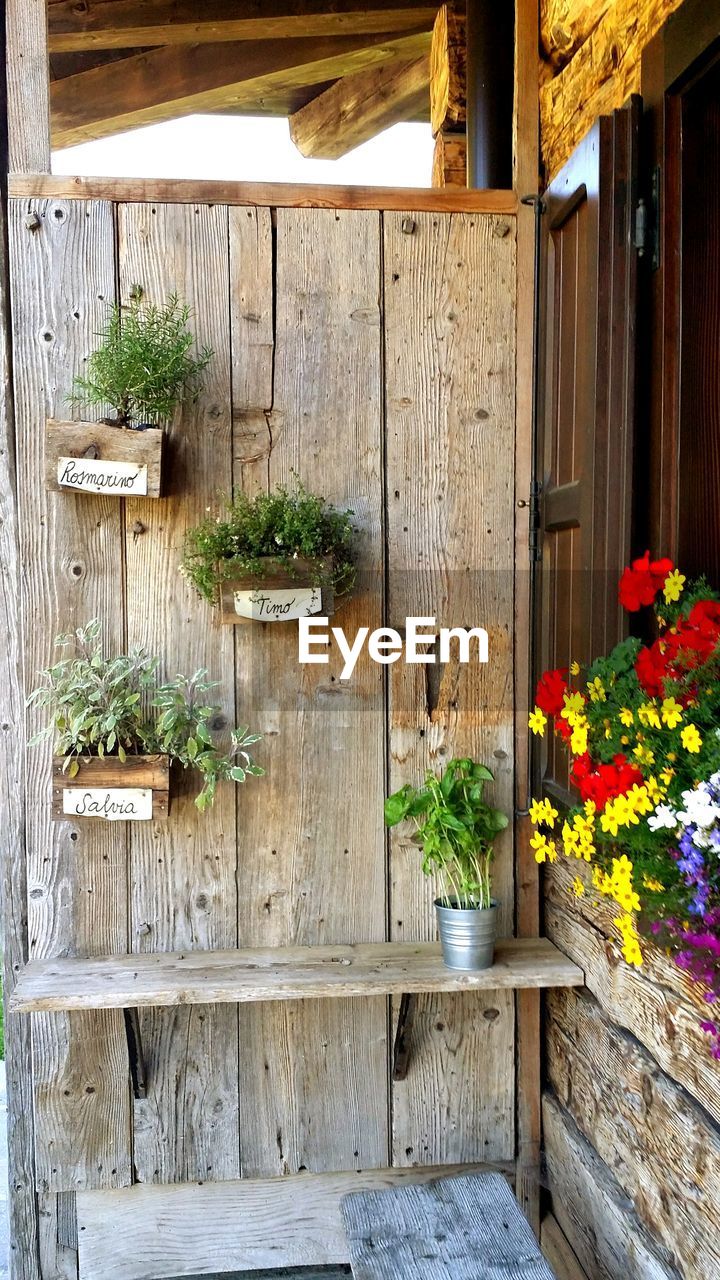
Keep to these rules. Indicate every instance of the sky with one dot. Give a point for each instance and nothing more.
(249, 149)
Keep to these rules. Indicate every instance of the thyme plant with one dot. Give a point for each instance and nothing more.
(284, 525)
(455, 828)
(143, 366)
(118, 707)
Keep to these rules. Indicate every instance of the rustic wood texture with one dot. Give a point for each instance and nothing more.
(282, 973)
(261, 194)
(255, 1224)
(22, 1205)
(448, 77)
(322, 1104)
(465, 1228)
(183, 889)
(449, 167)
(449, 350)
(75, 439)
(146, 772)
(169, 82)
(601, 76)
(28, 89)
(63, 279)
(657, 1142)
(566, 24)
(658, 1004)
(592, 1209)
(124, 24)
(357, 107)
(556, 1249)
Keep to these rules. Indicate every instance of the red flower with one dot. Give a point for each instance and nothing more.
(551, 690)
(604, 782)
(563, 729)
(641, 582)
(651, 667)
(705, 615)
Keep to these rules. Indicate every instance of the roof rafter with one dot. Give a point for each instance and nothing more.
(124, 24)
(357, 107)
(170, 82)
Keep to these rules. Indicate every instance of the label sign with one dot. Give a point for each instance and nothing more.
(95, 475)
(278, 605)
(116, 804)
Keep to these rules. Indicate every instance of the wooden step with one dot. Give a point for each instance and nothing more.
(280, 973)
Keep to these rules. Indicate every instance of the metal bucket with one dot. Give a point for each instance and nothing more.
(467, 936)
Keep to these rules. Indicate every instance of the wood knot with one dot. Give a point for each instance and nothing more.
(491, 1014)
(501, 229)
(91, 451)
(408, 226)
(33, 222)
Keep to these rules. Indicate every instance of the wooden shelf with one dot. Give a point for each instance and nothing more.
(280, 973)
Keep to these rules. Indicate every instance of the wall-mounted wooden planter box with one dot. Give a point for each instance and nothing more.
(108, 790)
(278, 594)
(92, 457)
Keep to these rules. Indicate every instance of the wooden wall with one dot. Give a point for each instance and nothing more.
(590, 52)
(375, 356)
(632, 1106)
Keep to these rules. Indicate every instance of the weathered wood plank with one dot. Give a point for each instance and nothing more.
(449, 300)
(448, 79)
(260, 194)
(168, 82)
(28, 87)
(282, 973)
(462, 1228)
(591, 1208)
(658, 1003)
(63, 278)
(449, 167)
(126, 24)
(357, 107)
(259, 1223)
(566, 24)
(183, 873)
(321, 1101)
(663, 1149)
(556, 1249)
(601, 76)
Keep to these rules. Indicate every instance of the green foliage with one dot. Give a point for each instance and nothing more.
(116, 706)
(143, 366)
(455, 827)
(285, 524)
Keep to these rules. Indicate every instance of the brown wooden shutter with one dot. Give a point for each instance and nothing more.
(587, 419)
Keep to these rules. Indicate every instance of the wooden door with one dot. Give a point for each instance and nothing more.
(589, 398)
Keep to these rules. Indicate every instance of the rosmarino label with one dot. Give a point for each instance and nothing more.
(96, 475)
(423, 642)
(119, 804)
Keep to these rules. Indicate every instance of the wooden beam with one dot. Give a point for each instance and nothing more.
(260, 194)
(450, 160)
(127, 24)
(280, 973)
(166, 83)
(566, 24)
(28, 111)
(448, 79)
(359, 106)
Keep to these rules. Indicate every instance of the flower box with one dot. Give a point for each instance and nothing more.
(109, 790)
(96, 457)
(279, 594)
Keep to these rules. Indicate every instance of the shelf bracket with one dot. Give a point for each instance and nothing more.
(403, 1036)
(136, 1058)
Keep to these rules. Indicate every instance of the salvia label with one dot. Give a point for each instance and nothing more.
(115, 804)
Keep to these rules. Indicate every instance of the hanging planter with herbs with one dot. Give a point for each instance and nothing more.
(143, 369)
(272, 558)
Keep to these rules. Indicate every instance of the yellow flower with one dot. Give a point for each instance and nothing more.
(673, 587)
(624, 740)
(579, 737)
(537, 721)
(578, 887)
(671, 712)
(608, 819)
(630, 939)
(655, 792)
(574, 703)
(542, 813)
(671, 757)
(590, 808)
(652, 884)
(544, 849)
(596, 689)
(643, 754)
(626, 717)
(649, 716)
(574, 668)
(666, 776)
(691, 739)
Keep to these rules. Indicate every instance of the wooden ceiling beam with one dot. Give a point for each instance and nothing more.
(177, 81)
(357, 107)
(125, 24)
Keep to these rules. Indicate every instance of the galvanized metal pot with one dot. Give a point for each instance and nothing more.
(467, 936)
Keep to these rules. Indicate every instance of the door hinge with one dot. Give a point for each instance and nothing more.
(533, 509)
(646, 227)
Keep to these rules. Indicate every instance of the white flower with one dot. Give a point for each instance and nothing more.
(700, 809)
(663, 816)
